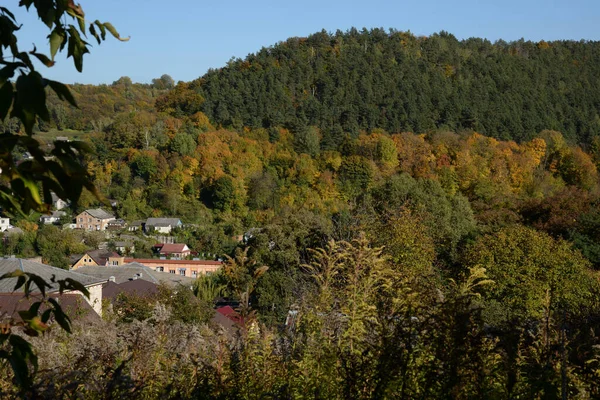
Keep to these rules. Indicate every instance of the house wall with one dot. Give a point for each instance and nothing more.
(95, 299)
(190, 269)
(60, 204)
(86, 222)
(83, 261)
(4, 224)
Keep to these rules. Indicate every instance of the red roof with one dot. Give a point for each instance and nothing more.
(172, 248)
(231, 314)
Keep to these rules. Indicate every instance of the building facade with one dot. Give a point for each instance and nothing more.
(93, 220)
(188, 268)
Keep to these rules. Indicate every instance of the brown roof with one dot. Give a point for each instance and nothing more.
(138, 287)
(157, 261)
(102, 256)
(168, 248)
(74, 305)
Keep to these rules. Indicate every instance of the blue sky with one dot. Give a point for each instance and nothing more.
(184, 38)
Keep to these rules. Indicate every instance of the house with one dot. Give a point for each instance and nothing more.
(72, 304)
(51, 275)
(94, 220)
(96, 258)
(162, 225)
(58, 203)
(177, 250)
(52, 218)
(188, 268)
(116, 225)
(134, 271)
(136, 226)
(136, 287)
(124, 247)
(4, 224)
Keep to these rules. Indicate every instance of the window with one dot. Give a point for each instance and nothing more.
(115, 263)
(182, 271)
(160, 269)
(194, 274)
(171, 271)
(80, 219)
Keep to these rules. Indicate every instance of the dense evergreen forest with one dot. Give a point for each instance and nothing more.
(423, 212)
(361, 80)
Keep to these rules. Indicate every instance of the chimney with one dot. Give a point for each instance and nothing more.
(112, 279)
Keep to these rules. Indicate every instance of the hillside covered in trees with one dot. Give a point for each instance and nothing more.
(422, 220)
(361, 80)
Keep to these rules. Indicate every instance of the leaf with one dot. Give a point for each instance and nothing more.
(43, 59)
(94, 33)
(37, 325)
(62, 91)
(6, 99)
(5, 11)
(20, 354)
(71, 284)
(102, 29)
(61, 318)
(35, 307)
(30, 100)
(114, 32)
(56, 39)
(40, 283)
(20, 282)
(13, 274)
(77, 48)
(46, 315)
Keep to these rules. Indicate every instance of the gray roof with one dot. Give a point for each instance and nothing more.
(42, 270)
(54, 214)
(127, 272)
(163, 221)
(99, 213)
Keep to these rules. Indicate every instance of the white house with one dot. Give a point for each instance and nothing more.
(4, 224)
(58, 203)
(161, 225)
(52, 218)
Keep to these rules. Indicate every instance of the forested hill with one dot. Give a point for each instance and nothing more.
(360, 80)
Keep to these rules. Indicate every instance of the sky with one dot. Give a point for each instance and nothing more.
(185, 38)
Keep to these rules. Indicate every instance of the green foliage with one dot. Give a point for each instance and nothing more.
(55, 245)
(532, 272)
(365, 79)
(25, 98)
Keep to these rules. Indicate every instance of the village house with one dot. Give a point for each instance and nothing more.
(177, 250)
(161, 225)
(52, 218)
(135, 271)
(96, 258)
(51, 275)
(4, 224)
(124, 247)
(94, 220)
(116, 225)
(58, 203)
(136, 226)
(187, 268)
